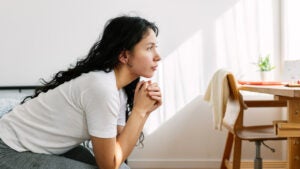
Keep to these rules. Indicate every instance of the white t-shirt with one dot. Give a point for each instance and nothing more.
(62, 118)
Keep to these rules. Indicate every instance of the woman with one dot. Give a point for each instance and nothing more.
(88, 101)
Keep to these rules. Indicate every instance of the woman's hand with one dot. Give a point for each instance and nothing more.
(154, 92)
(147, 97)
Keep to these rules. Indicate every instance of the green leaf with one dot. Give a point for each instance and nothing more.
(264, 63)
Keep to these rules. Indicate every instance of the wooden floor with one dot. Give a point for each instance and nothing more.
(266, 165)
(202, 168)
(244, 165)
(213, 168)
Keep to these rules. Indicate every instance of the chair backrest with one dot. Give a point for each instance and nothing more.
(233, 115)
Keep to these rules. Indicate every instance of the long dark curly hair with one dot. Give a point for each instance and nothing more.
(120, 33)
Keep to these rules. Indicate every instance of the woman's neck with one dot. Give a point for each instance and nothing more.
(123, 76)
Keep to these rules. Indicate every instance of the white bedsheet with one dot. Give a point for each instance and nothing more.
(7, 104)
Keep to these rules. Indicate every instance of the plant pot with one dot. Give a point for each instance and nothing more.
(266, 76)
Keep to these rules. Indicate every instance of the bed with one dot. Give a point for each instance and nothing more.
(10, 96)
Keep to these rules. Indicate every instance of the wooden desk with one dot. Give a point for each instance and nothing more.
(292, 96)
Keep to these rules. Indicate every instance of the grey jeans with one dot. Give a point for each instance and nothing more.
(77, 158)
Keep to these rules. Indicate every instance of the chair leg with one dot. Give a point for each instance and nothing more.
(227, 150)
(237, 149)
(258, 159)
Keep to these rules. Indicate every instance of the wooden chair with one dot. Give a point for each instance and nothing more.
(233, 121)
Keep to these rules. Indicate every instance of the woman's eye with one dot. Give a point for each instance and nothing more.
(152, 47)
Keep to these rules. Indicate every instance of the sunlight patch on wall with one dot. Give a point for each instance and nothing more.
(179, 77)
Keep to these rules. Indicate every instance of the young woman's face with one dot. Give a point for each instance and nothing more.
(143, 59)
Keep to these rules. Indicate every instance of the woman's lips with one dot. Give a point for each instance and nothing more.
(154, 68)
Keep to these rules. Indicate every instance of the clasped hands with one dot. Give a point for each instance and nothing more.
(147, 96)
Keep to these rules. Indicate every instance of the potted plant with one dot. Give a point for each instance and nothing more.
(265, 67)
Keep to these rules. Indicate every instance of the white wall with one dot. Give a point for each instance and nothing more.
(39, 38)
(188, 140)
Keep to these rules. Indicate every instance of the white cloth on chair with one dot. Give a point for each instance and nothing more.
(216, 95)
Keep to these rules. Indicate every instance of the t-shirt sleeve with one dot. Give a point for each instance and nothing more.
(101, 106)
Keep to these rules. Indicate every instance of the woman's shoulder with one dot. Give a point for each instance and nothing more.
(96, 79)
(98, 75)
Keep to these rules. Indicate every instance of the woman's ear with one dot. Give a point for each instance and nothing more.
(123, 57)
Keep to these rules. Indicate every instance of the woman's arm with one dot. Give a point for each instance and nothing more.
(119, 129)
(111, 152)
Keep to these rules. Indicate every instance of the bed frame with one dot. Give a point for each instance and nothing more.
(20, 88)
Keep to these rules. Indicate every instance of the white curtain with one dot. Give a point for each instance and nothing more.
(244, 33)
(291, 29)
(291, 40)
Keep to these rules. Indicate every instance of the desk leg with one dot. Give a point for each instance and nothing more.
(294, 143)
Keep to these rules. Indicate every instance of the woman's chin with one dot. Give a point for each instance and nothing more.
(147, 76)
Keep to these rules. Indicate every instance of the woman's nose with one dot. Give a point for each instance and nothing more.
(157, 57)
